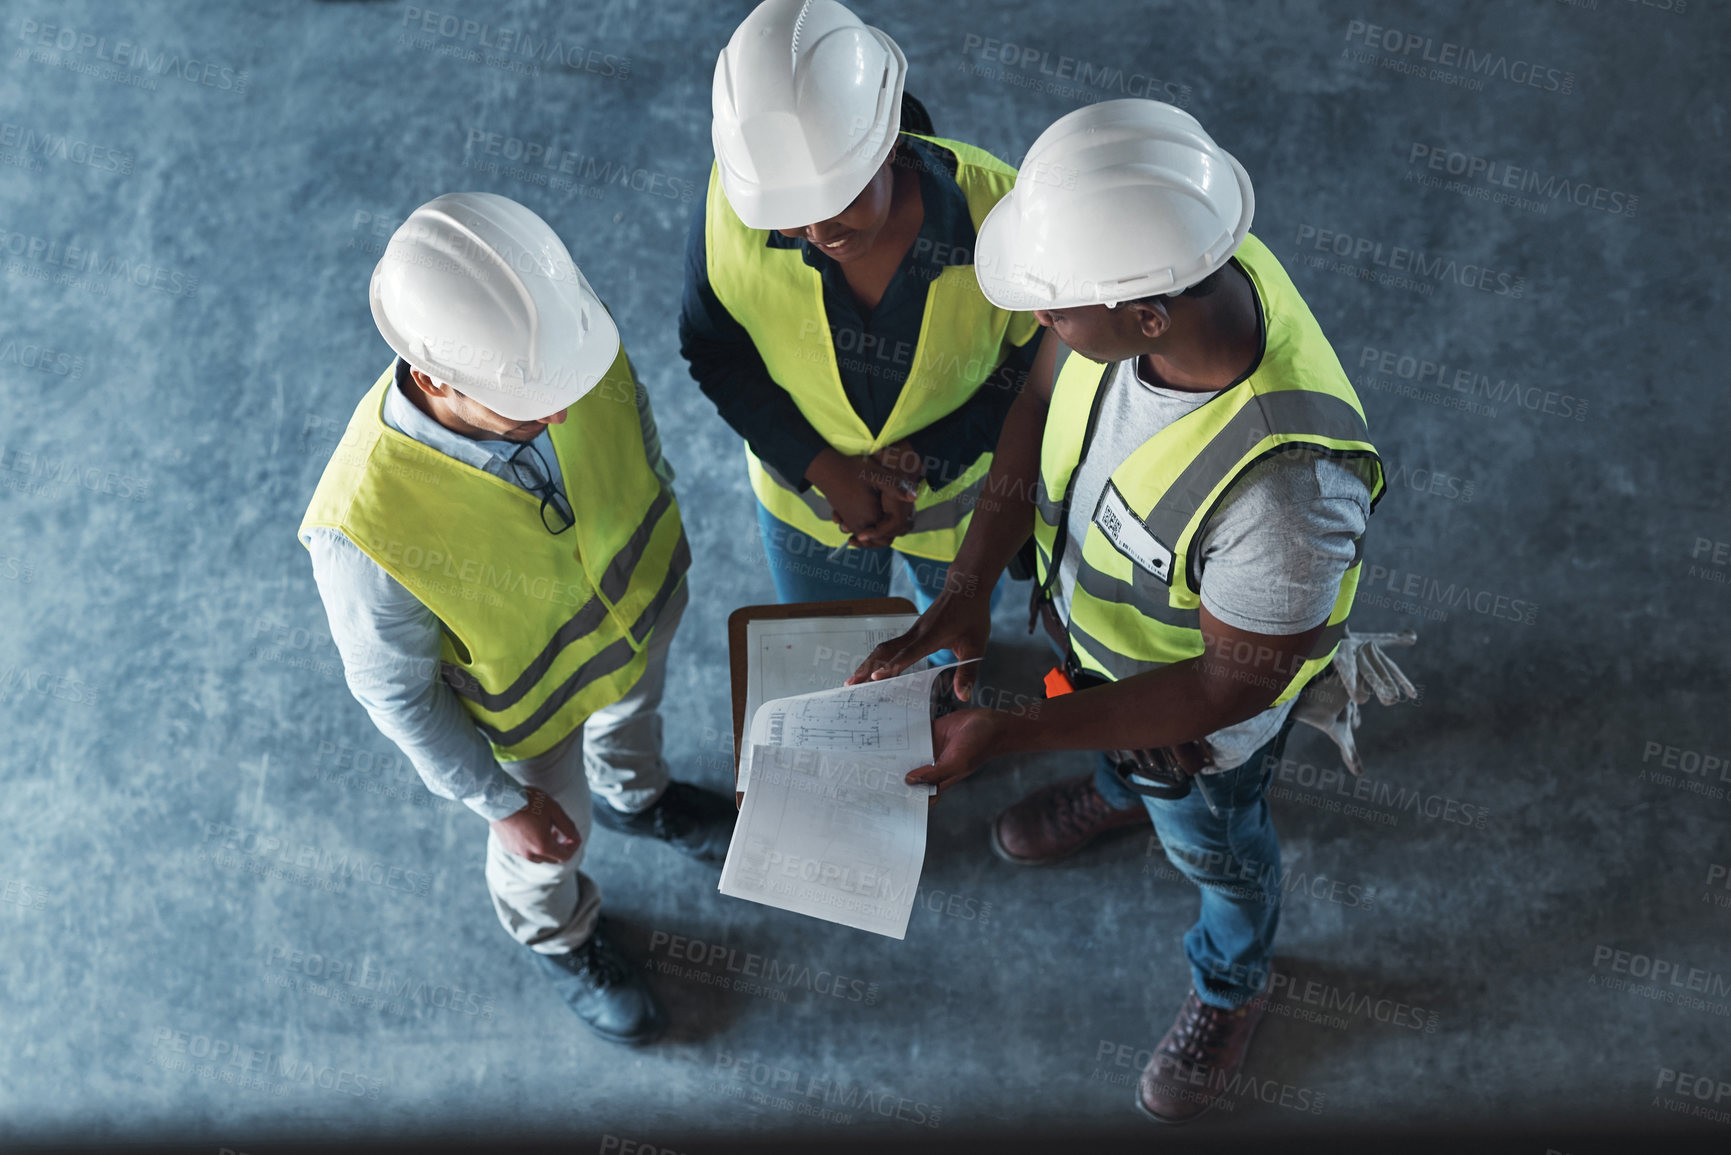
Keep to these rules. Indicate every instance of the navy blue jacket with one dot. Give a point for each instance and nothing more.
(731, 374)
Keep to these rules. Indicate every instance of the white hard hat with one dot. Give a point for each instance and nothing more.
(807, 103)
(1115, 201)
(479, 293)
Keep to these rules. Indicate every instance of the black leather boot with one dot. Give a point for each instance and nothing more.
(606, 989)
(692, 820)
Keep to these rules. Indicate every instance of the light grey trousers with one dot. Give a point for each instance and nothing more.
(551, 907)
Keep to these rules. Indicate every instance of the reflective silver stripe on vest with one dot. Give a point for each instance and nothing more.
(1327, 640)
(1296, 412)
(617, 577)
(675, 570)
(611, 659)
(1121, 667)
(1050, 510)
(814, 501)
(1144, 593)
(585, 621)
(946, 514)
(1117, 666)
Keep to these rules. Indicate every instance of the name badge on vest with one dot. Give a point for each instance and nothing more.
(1130, 537)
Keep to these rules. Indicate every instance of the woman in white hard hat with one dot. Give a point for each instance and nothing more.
(831, 310)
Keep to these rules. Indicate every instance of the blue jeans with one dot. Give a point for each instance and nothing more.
(803, 572)
(1234, 857)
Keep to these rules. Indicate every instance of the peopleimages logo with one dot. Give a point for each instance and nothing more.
(1130, 1061)
(1390, 370)
(125, 55)
(720, 960)
(1381, 582)
(1434, 482)
(514, 43)
(1667, 972)
(1496, 175)
(31, 355)
(1251, 880)
(273, 849)
(1414, 51)
(325, 975)
(1285, 992)
(1674, 1089)
(536, 160)
(18, 680)
(20, 894)
(1695, 767)
(1349, 787)
(1414, 262)
(218, 1055)
(793, 1088)
(81, 260)
(58, 146)
(1069, 70)
(45, 473)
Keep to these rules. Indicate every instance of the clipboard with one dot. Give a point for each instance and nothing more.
(738, 660)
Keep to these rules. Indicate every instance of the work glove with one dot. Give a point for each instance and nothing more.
(1360, 669)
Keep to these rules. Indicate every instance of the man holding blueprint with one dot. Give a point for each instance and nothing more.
(1194, 471)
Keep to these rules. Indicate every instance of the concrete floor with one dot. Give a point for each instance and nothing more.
(1540, 942)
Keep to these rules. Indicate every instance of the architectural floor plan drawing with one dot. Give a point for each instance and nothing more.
(793, 656)
(844, 721)
(891, 717)
(864, 737)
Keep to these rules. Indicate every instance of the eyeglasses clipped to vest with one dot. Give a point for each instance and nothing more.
(531, 473)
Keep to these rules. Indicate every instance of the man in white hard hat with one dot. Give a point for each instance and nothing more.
(501, 558)
(1195, 474)
(831, 311)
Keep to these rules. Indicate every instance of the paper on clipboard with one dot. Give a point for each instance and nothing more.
(787, 657)
(892, 717)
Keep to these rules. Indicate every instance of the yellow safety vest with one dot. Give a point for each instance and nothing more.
(778, 299)
(540, 630)
(1135, 603)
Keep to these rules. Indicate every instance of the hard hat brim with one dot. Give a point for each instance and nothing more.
(1009, 264)
(517, 400)
(760, 205)
(478, 291)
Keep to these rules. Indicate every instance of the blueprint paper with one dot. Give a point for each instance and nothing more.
(829, 827)
(838, 836)
(787, 657)
(892, 716)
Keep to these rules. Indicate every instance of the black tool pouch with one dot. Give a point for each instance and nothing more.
(1159, 767)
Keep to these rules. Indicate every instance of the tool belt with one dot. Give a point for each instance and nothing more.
(1166, 770)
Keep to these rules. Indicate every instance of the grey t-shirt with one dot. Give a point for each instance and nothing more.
(1272, 554)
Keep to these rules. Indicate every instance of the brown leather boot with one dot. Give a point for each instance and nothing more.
(1197, 1060)
(1058, 820)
